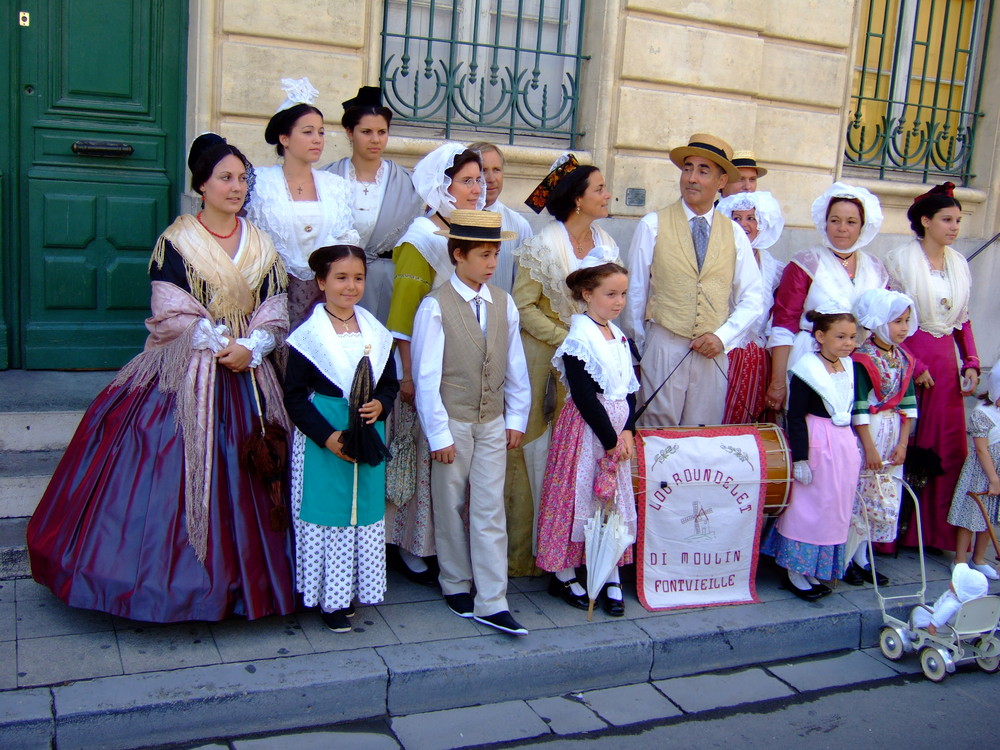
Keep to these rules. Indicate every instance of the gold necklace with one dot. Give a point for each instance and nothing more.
(578, 243)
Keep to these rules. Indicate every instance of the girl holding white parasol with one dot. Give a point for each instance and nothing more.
(338, 487)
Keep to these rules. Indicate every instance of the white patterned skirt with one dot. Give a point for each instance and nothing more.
(335, 565)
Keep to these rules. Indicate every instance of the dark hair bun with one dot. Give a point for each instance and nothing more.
(200, 145)
(282, 122)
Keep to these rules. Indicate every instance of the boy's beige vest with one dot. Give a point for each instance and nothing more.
(682, 300)
(472, 373)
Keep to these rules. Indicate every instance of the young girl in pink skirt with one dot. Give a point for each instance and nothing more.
(598, 420)
(808, 538)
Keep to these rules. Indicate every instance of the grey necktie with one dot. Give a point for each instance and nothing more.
(478, 302)
(699, 233)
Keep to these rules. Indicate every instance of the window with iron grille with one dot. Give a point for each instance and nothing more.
(508, 70)
(917, 88)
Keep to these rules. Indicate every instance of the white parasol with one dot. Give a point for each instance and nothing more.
(605, 537)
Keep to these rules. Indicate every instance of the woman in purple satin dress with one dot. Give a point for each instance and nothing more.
(150, 515)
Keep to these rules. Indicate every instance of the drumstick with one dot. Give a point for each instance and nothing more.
(977, 496)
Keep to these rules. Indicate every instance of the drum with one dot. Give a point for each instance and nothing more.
(777, 456)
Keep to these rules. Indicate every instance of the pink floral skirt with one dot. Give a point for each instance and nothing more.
(568, 496)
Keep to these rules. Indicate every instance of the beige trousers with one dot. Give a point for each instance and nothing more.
(477, 556)
(696, 392)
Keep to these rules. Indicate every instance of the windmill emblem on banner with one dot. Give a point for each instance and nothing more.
(702, 523)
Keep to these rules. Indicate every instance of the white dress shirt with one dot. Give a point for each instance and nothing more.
(428, 355)
(745, 302)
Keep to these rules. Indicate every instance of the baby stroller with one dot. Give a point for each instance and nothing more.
(973, 635)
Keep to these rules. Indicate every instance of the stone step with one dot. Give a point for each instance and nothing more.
(13, 549)
(23, 478)
(39, 410)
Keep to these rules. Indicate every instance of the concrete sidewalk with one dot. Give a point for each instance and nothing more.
(87, 679)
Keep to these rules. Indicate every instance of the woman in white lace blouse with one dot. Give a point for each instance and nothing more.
(299, 207)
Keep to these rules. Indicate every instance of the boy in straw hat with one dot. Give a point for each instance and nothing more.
(750, 171)
(694, 287)
(473, 399)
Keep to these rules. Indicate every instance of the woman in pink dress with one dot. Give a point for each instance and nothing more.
(847, 219)
(937, 279)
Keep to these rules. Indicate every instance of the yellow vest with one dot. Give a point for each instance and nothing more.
(683, 300)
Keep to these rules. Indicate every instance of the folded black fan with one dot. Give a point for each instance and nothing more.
(921, 466)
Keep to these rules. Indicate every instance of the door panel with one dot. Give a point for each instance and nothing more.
(101, 130)
(90, 288)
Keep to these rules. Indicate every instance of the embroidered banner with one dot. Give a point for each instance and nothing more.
(701, 502)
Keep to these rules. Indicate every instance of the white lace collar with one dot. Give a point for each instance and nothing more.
(837, 398)
(316, 340)
(608, 362)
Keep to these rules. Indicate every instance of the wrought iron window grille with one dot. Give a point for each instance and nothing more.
(504, 69)
(918, 88)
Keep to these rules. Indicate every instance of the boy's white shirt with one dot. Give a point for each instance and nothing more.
(428, 356)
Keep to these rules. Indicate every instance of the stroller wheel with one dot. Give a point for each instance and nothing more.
(988, 653)
(934, 664)
(891, 642)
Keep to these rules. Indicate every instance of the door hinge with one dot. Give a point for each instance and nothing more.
(24, 18)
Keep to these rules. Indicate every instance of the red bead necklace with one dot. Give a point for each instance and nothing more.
(216, 234)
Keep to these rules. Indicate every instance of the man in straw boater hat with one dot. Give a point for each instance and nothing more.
(473, 399)
(750, 171)
(694, 287)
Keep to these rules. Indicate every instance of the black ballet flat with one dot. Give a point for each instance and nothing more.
(808, 595)
(563, 590)
(866, 574)
(853, 575)
(424, 578)
(614, 607)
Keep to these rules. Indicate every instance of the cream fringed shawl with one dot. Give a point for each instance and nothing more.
(221, 292)
(911, 273)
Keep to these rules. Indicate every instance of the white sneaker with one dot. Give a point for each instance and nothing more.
(987, 570)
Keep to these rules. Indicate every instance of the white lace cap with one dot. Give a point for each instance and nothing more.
(873, 213)
(832, 306)
(968, 583)
(600, 255)
(431, 183)
(876, 308)
(297, 91)
(770, 222)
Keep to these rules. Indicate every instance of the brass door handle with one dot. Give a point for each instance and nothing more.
(107, 149)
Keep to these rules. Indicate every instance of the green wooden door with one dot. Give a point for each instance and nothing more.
(100, 141)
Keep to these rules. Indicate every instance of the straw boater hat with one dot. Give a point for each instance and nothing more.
(484, 226)
(747, 159)
(708, 147)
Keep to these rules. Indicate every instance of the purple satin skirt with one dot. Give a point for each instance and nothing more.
(109, 533)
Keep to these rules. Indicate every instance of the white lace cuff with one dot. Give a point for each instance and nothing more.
(207, 336)
(260, 343)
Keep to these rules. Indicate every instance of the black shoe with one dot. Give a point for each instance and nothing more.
(424, 578)
(563, 590)
(336, 620)
(853, 576)
(614, 607)
(821, 589)
(866, 574)
(809, 595)
(503, 621)
(460, 604)
(350, 611)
